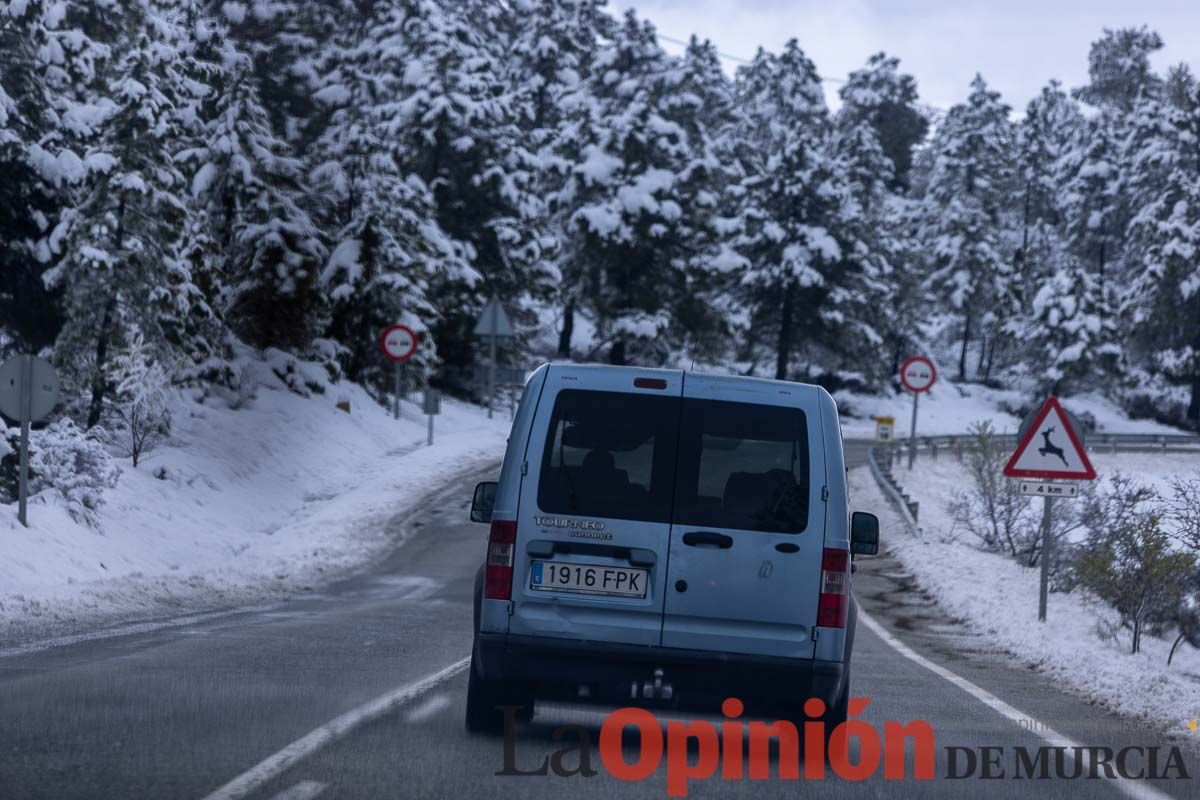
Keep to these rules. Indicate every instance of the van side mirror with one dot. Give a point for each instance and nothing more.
(483, 502)
(864, 533)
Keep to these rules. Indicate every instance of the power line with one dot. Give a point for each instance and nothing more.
(738, 59)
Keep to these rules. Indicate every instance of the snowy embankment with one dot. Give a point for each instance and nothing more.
(238, 505)
(950, 408)
(997, 597)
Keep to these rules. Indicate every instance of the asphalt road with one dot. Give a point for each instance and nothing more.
(241, 703)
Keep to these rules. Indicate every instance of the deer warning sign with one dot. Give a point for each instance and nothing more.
(1050, 448)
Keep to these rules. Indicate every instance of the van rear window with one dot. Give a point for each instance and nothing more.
(610, 454)
(742, 466)
(717, 464)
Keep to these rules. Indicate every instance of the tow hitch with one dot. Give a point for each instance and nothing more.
(656, 689)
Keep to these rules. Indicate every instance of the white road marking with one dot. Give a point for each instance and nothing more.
(1133, 789)
(304, 790)
(428, 709)
(275, 765)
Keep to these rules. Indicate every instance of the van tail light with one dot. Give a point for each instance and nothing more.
(835, 589)
(498, 571)
(650, 383)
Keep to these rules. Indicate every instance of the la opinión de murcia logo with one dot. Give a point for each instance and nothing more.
(738, 750)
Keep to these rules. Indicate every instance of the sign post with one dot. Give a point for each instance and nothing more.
(398, 343)
(28, 393)
(1059, 455)
(432, 406)
(493, 323)
(917, 375)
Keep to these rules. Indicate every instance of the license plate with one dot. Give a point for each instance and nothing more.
(557, 576)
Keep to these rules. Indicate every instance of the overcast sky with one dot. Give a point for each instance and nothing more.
(1018, 45)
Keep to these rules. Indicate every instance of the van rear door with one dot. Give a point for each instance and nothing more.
(594, 514)
(748, 527)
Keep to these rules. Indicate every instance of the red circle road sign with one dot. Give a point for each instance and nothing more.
(398, 342)
(918, 374)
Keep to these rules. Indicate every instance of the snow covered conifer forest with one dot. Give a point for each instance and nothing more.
(183, 178)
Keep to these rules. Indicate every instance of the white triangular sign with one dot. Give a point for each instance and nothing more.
(493, 321)
(1050, 448)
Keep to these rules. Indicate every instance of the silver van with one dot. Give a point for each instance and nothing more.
(664, 537)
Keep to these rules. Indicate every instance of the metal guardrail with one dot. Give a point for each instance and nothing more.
(1094, 442)
(892, 489)
(883, 458)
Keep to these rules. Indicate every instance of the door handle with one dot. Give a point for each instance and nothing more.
(701, 538)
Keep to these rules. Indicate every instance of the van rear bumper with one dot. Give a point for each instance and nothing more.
(557, 668)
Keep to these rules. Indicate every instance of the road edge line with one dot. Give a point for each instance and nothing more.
(1136, 791)
(275, 765)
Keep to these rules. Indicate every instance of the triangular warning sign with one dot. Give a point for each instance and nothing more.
(1050, 448)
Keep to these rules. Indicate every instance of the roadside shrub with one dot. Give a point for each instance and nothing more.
(1129, 561)
(73, 463)
(139, 416)
(1183, 516)
(10, 463)
(1183, 511)
(1187, 616)
(992, 509)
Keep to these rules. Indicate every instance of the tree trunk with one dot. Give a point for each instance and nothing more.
(1193, 409)
(983, 347)
(991, 359)
(1171, 654)
(1021, 257)
(98, 382)
(568, 328)
(1137, 637)
(962, 357)
(784, 353)
(617, 354)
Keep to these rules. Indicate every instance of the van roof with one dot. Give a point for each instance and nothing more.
(609, 369)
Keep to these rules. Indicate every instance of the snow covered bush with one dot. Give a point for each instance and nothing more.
(1183, 517)
(73, 463)
(302, 377)
(993, 508)
(244, 387)
(139, 407)
(1129, 560)
(10, 441)
(1183, 511)
(1187, 616)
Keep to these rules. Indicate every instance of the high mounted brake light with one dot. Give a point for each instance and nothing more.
(835, 589)
(649, 383)
(498, 570)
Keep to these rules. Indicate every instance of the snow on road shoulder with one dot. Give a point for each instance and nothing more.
(240, 505)
(997, 597)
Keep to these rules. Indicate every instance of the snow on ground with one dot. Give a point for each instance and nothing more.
(998, 598)
(951, 407)
(945, 409)
(255, 503)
